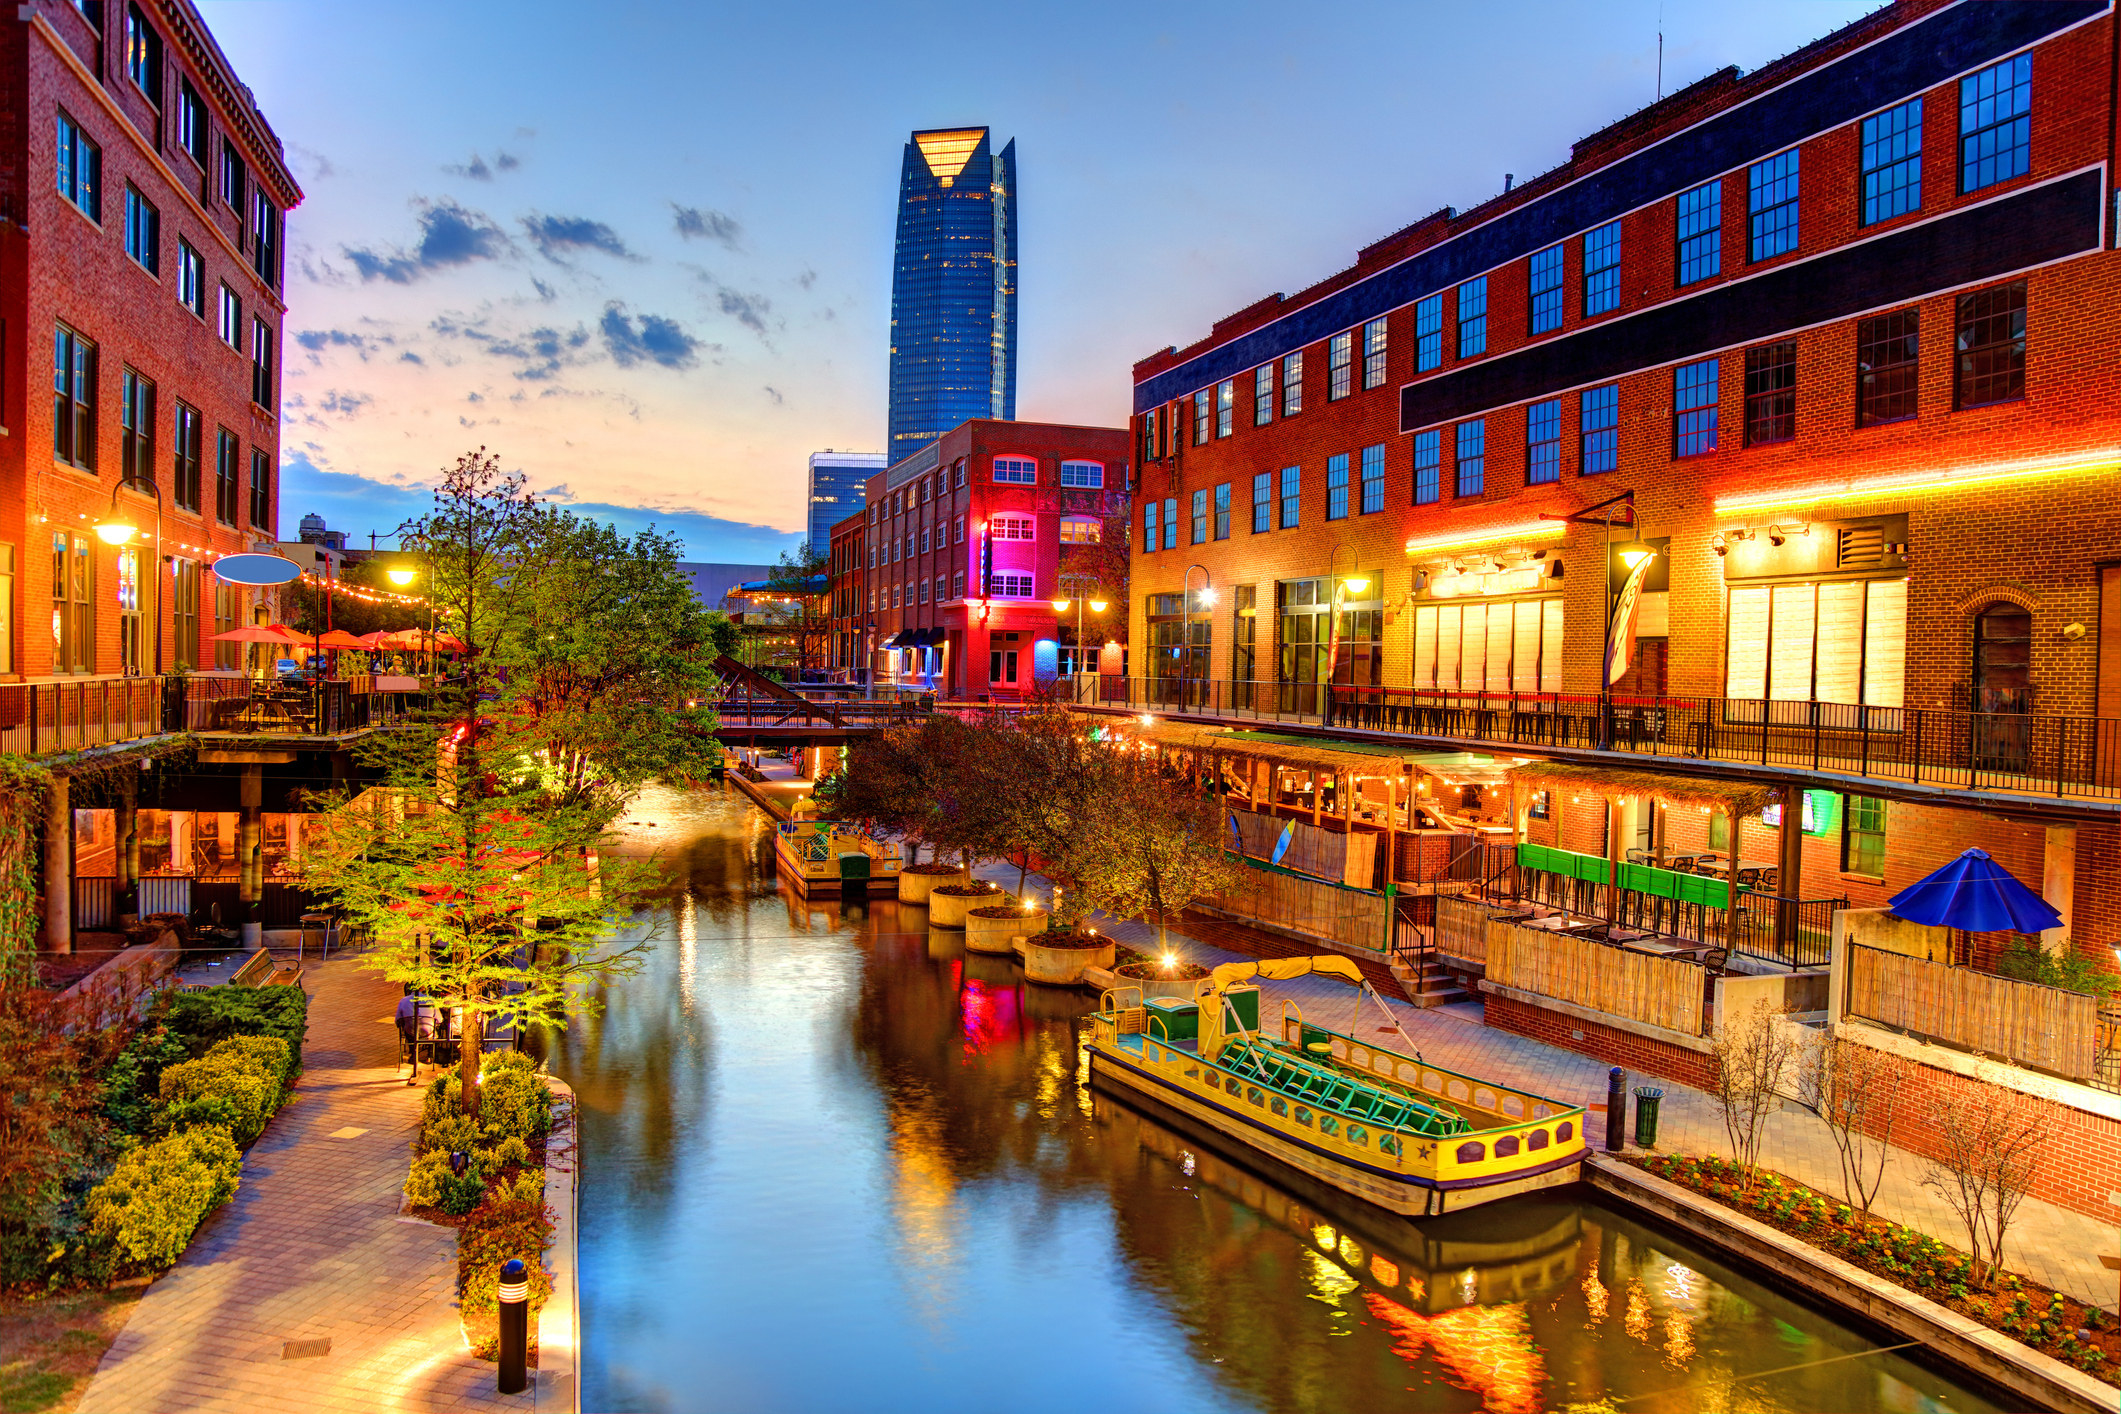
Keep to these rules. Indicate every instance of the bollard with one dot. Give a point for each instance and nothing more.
(1646, 1100)
(1616, 1109)
(515, 1325)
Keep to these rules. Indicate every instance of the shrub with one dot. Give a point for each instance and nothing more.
(423, 1186)
(134, 1079)
(159, 1194)
(451, 1132)
(270, 1054)
(499, 1230)
(252, 1091)
(513, 1098)
(509, 1151)
(528, 1187)
(2066, 968)
(461, 1192)
(217, 1013)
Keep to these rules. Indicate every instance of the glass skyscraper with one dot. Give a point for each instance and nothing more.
(953, 291)
(838, 483)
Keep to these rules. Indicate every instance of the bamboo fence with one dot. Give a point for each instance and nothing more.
(1659, 991)
(2023, 1022)
(1353, 918)
(1463, 929)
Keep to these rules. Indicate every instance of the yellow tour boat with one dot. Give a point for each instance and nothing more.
(1376, 1123)
(818, 856)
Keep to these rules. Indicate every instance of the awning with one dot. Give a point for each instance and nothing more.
(1742, 799)
(892, 642)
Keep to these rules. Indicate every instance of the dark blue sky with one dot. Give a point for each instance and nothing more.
(644, 251)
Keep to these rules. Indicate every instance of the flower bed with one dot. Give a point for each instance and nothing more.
(2044, 1319)
(1148, 970)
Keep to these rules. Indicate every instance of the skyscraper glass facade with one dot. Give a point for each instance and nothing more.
(953, 288)
(837, 482)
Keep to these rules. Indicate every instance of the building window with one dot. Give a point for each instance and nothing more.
(74, 399)
(1263, 395)
(1892, 162)
(1428, 334)
(184, 613)
(957, 585)
(184, 471)
(1222, 511)
(1428, 466)
(1771, 393)
(191, 278)
(231, 318)
(1262, 502)
(136, 428)
(1200, 418)
(1244, 639)
(228, 467)
(1373, 479)
(1472, 457)
(1542, 442)
(1473, 317)
(1886, 348)
(1020, 471)
(1225, 407)
(143, 232)
(80, 169)
(1292, 384)
(1089, 475)
(1694, 408)
(1598, 431)
(1009, 528)
(1170, 522)
(959, 480)
(1601, 270)
(1546, 290)
(1340, 360)
(264, 237)
(1991, 347)
(1292, 481)
(1832, 641)
(1863, 836)
(1200, 516)
(1373, 354)
(1508, 645)
(234, 176)
(923, 592)
(1149, 421)
(957, 530)
(1995, 124)
(261, 366)
(1337, 486)
(73, 603)
(143, 54)
(191, 122)
(1771, 204)
(924, 540)
(1700, 232)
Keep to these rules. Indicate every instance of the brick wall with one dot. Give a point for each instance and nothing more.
(1641, 1055)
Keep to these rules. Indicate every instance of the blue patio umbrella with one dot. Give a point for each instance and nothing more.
(1976, 894)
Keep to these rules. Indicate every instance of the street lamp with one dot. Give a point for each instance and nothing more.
(402, 576)
(1096, 606)
(115, 530)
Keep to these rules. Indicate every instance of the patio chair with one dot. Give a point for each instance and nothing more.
(1770, 880)
(1750, 878)
(1640, 856)
(1715, 959)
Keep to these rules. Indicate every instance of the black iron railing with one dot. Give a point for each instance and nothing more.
(2029, 753)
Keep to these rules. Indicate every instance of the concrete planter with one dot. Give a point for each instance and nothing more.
(916, 880)
(989, 929)
(947, 909)
(1063, 964)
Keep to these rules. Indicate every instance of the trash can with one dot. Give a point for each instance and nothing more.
(854, 871)
(1646, 1101)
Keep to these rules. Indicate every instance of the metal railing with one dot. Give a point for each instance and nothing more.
(72, 714)
(2036, 753)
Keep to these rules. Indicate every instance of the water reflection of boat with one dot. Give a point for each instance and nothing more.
(1520, 1252)
(1385, 1127)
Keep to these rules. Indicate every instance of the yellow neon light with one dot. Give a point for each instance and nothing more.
(2106, 459)
(1537, 529)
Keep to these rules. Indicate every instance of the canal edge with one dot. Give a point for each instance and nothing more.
(558, 1387)
(1987, 1354)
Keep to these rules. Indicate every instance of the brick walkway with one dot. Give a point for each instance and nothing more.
(2048, 1243)
(311, 1249)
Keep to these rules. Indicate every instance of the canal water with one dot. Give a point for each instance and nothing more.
(833, 1163)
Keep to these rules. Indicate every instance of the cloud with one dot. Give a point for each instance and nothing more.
(537, 353)
(747, 310)
(317, 163)
(705, 224)
(653, 339)
(345, 404)
(450, 235)
(558, 236)
(775, 394)
(806, 279)
(316, 341)
(478, 171)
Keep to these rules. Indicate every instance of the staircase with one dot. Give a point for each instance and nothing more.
(1426, 981)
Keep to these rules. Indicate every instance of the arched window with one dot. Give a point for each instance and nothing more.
(1506, 1147)
(1538, 1140)
(1086, 474)
(1081, 530)
(2003, 659)
(1472, 1152)
(1564, 1132)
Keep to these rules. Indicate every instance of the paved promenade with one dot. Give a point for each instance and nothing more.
(2051, 1244)
(308, 1292)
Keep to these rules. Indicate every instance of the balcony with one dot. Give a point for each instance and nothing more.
(73, 714)
(2037, 755)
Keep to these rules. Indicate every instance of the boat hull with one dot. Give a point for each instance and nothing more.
(1406, 1193)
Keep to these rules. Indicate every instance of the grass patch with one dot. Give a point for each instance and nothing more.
(50, 1345)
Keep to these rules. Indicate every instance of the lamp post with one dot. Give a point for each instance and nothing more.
(1060, 606)
(115, 531)
(403, 576)
(1631, 554)
(1185, 622)
(1354, 584)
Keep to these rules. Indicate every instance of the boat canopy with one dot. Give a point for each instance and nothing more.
(1282, 969)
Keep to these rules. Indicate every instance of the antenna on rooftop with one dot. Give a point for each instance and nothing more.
(1660, 53)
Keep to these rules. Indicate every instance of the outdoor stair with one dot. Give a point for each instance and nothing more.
(1428, 983)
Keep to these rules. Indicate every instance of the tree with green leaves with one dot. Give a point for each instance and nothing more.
(1151, 843)
(1053, 775)
(478, 862)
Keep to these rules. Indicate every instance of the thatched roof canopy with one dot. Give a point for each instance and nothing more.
(1740, 798)
(1281, 750)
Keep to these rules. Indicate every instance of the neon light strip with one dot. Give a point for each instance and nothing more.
(1537, 529)
(2105, 459)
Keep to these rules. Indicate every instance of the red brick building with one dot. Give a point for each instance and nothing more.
(140, 298)
(1842, 328)
(947, 578)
